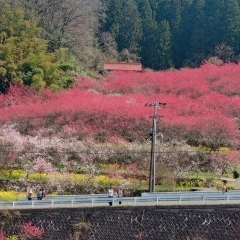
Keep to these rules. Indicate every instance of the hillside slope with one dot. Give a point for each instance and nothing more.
(106, 121)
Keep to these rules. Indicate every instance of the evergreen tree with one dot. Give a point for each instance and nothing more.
(149, 27)
(215, 24)
(197, 28)
(130, 30)
(180, 27)
(233, 24)
(162, 58)
(124, 23)
(113, 17)
(170, 10)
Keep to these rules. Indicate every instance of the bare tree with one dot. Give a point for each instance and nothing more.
(224, 52)
(109, 45)
(67, 23)
(126, 56)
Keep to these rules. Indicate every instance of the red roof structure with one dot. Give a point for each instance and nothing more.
(121, 66)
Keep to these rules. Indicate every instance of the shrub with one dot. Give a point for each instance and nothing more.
(13, 237)
(2, 236)
(28, 230)
(11, 195)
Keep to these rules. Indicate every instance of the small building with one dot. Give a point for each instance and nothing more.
(122, 66)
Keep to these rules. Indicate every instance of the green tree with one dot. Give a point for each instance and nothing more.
(233, 24)
(177, 13)
(149, 27)
(197, 28)
(113, 16)
(124, 23)
(72, 24)
(172, 11)
(130, 31)
(24, 57)
(162, 59)
(215, 24)
(166, 44)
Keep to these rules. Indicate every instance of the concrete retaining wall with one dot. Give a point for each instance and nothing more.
(125, 223)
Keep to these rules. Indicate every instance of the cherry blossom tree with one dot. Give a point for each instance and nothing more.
(225, 161)
(104, 121)
(39, 165)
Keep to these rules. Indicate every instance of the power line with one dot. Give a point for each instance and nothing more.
(120, 152)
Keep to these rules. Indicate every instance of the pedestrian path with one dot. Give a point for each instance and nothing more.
(146, 199)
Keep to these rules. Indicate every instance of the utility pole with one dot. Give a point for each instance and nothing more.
(153, 133)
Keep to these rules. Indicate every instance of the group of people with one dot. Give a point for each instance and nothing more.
(111, 194)
(40, 194)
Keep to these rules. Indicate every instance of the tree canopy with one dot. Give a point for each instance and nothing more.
(161, 34)
(179, 33)
(24, 57)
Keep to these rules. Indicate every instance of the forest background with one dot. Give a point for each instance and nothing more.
(63, 118)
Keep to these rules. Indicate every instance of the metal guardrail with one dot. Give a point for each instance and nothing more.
(151, 199)
(54, 197)
(231, 192)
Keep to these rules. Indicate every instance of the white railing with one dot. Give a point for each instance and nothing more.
(197, 198)
(231, 192)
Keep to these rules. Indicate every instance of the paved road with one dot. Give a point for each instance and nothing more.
(48, 205)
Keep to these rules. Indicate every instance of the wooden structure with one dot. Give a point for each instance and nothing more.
(122, 66)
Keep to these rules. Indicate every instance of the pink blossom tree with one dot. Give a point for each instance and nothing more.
(225, 161)
(39, 165)
(203, 109)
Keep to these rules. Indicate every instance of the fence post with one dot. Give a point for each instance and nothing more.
(32, 204)
(157, 200)
(92, 202)
(135, 201)
(72, 202)
(113, 202)
(13, 205)
(52, 203)
(203, 200)
(180, 200)
(228, 198)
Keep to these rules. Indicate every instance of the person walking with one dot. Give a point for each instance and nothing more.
(110, 195)
(224, 187)
(120, 194)
(29, 193)
(39, 194)
(43, 193)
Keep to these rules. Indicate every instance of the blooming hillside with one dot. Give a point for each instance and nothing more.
(203, 101)
(96, 119)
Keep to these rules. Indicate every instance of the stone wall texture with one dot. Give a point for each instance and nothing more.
(220, 222)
